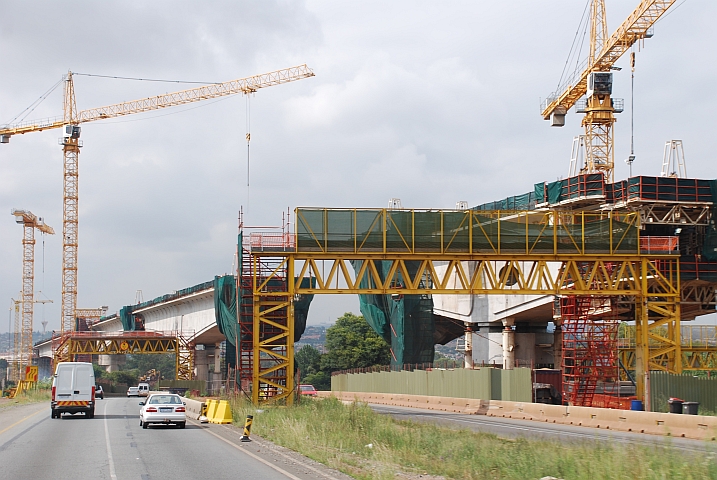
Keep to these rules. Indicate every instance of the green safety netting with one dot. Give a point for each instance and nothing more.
(406, 231)
(525, 201)
(225, 307)
(127, 318)
(404, 321)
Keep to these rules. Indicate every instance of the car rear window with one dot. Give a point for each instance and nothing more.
(165, 399)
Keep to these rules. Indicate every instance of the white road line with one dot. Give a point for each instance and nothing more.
(319, 472)
(113, 475)
(256, 457)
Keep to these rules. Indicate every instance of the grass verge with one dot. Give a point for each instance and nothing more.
(31, 396)
(339, 436)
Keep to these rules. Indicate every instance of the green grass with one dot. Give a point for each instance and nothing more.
(337, 435)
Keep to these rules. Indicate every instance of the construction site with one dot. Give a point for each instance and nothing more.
(590, 281)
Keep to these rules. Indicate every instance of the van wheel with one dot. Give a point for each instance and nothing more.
(91, 413)
(182, 425)
(140, 422)
(53, 413)
(145, 425)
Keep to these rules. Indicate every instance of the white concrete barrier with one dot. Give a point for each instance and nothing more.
(698, 427)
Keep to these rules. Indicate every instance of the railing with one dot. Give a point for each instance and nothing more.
(660, 245)
(272, 241)
(128, 334)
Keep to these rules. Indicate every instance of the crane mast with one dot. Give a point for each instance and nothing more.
(595, 82)
(71, 144)
(29, 222)
(70, 200)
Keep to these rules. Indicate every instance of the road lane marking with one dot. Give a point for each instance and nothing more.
(256, 457)
(319, 472)
(19, 422)
(113, 474)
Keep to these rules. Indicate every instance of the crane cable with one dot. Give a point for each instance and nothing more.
(35, 104)
(572, 47)
(116, 77)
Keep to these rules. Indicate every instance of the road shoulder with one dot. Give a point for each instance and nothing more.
(291, 462)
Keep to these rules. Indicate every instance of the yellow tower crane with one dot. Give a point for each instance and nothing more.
(595, 82)
(16, 341)
(30, 222)
(71, 144)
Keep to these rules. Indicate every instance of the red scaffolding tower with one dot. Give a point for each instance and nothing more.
(589, 334)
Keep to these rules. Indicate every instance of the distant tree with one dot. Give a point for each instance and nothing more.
(100, 371)
(308, 361)
(351, 343)
(320, 380)
(128, 377)
(165, 363)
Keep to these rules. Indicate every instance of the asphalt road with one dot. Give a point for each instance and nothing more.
(113, 446)
(512, 428)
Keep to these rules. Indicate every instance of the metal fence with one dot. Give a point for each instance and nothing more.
(480, 383)
(685, 387)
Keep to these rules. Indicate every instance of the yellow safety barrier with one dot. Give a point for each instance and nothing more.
(212, 409)
(222, 413)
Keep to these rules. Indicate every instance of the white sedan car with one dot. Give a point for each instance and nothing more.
(163, 408)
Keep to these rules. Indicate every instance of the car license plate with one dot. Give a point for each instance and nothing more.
(165, 410)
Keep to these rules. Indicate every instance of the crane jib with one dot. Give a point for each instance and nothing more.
(232, 87)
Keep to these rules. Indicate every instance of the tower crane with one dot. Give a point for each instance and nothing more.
(595, 82)
(30, 222)
(16, 340)
(70, 122)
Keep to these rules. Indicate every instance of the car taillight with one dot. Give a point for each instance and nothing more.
(53, 393)
(180, 409)
(151, 409)
(93, 393)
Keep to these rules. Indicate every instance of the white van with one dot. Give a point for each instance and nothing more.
(143, 389)
(73, 389)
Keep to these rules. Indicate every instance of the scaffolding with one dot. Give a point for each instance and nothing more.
(589, 341)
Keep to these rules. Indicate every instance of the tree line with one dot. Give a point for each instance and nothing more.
(350, 343)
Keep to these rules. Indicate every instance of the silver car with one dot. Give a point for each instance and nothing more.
(163, 408)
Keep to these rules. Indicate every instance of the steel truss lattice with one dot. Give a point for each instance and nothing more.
(651, 279)
(67, 346)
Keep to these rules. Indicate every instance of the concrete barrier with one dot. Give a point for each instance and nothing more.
(688, 426)
(194, 407)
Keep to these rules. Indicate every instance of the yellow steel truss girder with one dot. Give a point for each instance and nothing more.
(653, 281)
(68, 346)
(693, 359)
(506, 274)
(118, 346)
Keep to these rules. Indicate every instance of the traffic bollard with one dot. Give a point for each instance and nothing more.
(247, 429)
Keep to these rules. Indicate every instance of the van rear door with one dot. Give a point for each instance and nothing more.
(83, 382)
(64, 382)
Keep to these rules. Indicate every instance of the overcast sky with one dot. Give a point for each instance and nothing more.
(430, 102)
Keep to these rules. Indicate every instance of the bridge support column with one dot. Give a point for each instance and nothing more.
(508, 344)
(201, 365)
(557, 346)
(468, 353)
(112, 363)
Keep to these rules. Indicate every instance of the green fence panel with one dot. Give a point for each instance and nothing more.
(484, 383)
(685, 387)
